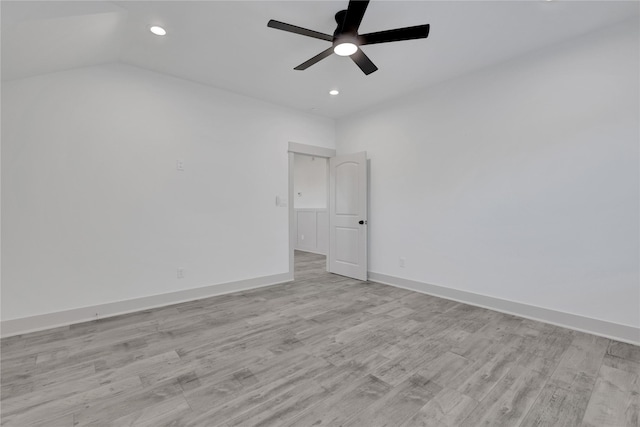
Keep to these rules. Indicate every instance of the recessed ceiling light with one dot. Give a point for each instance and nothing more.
(334, 92)
(345, 49)
(158, 31)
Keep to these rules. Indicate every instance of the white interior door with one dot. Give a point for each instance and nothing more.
(348, 215)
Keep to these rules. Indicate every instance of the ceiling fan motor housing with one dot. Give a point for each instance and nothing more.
(342, 36)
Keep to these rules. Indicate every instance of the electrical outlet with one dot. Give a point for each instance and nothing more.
(180, 273)
(180, 165)
(302, 237)
(401, 262)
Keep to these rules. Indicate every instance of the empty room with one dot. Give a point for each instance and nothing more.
(320, 213)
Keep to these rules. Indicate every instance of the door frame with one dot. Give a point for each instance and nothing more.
(309, 150)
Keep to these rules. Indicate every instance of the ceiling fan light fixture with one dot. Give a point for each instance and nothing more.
(345, 49)
(158, 31)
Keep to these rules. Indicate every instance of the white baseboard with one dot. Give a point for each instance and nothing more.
(311, 251)
(84, 314)
(40, 322)
(616, 331)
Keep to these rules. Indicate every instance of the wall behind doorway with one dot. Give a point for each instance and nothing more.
(310, 204)
(309, 182)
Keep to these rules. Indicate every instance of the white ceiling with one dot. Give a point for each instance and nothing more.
(227, 44)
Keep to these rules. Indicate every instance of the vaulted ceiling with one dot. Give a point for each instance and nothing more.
(227, 44)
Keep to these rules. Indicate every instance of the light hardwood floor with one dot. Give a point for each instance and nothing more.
(321, 351)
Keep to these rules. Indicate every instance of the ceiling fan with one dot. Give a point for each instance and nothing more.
(346, 41)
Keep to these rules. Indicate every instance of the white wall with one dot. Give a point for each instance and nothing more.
(519, 182)
(94, 210)
(309, 182)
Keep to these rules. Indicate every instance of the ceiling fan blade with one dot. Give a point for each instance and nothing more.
(298, 30)
(364, 62)
(399, 34)
(315, 59)
(355, 12)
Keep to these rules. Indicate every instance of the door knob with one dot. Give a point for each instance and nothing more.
(362, 222)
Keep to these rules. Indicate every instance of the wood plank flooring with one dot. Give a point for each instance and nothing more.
(324, 350)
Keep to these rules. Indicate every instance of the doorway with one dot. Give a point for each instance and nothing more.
(346, 205)
(309, 203)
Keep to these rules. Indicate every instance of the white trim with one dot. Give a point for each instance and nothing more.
(291, 213)
(84, 314)
(328, 184)
(616, 331)
(311, 251)
(311, 150)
